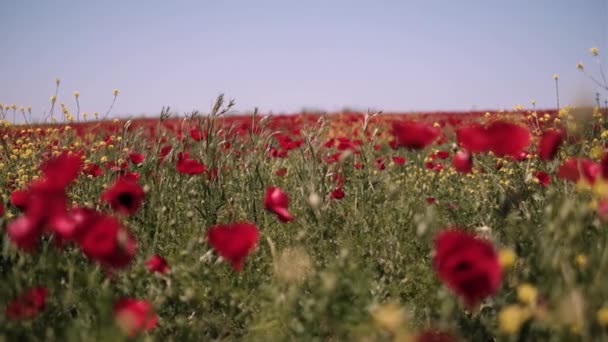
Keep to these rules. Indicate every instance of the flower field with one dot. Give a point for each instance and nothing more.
(307, 227)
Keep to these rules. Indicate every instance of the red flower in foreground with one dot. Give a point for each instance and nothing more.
(189, 166)
(1, 209)
(124, 196)
(468, 265)
(135, 315)
(233, 241)
(28, 304)
(462, 161)
(277, 201)
(473, 138)
(104, 239)
(60, 171)
(434, 336)
(24, 232)
(412, 134)
(156, 263)
(549, 144)
(136, 158)
(604, 166)
(573, 169)
(501, 137)
(602, 209)
(508, 139)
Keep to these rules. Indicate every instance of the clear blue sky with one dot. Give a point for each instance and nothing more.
(284, 55)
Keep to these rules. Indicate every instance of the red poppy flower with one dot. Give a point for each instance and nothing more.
(414, 135)
(129, 176)
(24, 232)
(164, 151)
(604, 166)
(602, 209)
(442, 154)
(434, 336)
(337, 193)
(195, 134)
(1, 209)
(543, 178)
(573, 168)
(508, 139)
(398, 160)
(501, 137)
(549, 143)
(103, 239)
(19, 199)
(281, 172)
(136, 158)
(379, 161)
(92, 169)
(61, 170)
(468, 265)
(462, 161)
(157, 263)
(433, 166)
(124, 196)
(189, 166)
(277, 201)
(233, 241)
(135, 315)
(28, 304)
(430, 200)
(473, 138)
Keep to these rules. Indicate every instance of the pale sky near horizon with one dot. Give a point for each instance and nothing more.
(287, 55)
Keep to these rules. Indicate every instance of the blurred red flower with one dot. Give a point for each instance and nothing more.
(103, 239)
(463, 161)
(92, 170)
(135, 315)
(398, 160)
(549, 143)
(337, 193)
(468, 265)
(507, 138)
(573, 169)
(414, 135)
(277, 201)
(28, 304)
(189, 166)
(195, 134)
(124, 196)
(58, 172)
(543, 178)
(157, 263)
(473, 138)
(19, 199)
(233, 241)
(501, 137)
(434, 336)
(136, 158)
